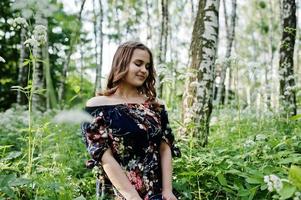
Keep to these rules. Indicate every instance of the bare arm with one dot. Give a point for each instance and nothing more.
(166, 165)
(118, 177)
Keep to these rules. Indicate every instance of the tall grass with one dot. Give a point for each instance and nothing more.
(232, 166)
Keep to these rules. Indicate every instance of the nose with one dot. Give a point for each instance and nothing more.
(143, 68)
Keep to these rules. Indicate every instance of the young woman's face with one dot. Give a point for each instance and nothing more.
(138, 68)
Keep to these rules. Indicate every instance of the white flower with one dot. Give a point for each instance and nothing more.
(273, 182)
(297, 196)
(40, 33)
(72, 116)
(249, 143)
(260, 137)
(31, 42)
(266, 179)
(2, 59)
(17, 23)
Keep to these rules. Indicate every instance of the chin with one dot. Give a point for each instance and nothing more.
(138, 82)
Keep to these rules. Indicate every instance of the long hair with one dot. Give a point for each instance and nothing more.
(120, 67)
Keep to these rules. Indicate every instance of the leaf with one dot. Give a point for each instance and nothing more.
(39, 91)
(287, 190)
(74, 97)
(243, 193)
(253, 192)
(289, 160)
(236, 172)
(76, 89)
(294, 175)
(296, 117)
(221, 179)
(5, 146)
(19, 181)
(12, 155)
(17, 88)
(5, 179)
(255, 180)
(8, 191)
(81, 197)
(25, 63)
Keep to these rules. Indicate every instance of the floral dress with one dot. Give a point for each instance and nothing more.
(134, 132)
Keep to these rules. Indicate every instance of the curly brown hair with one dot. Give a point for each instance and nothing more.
(120, 67)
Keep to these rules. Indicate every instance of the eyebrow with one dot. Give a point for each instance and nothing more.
(140, 61)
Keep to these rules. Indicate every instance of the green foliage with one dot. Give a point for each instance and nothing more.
(76, 94)
(295, 176)
(262, 4)
(240, 153)
(58, 159)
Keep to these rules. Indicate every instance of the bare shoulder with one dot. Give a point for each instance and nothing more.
(98, 101)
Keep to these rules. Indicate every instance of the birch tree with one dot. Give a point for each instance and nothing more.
(22, 70)
(230, 32)
(40, 11)
(203, 55)
(286, 63)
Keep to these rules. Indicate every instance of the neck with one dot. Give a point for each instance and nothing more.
(126, 92)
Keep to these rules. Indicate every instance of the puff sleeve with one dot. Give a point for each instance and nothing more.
(96, 137)
(167, 135)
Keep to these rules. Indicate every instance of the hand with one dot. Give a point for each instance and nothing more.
(168, 195)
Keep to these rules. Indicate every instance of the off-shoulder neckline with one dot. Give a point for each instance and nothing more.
(120, 104)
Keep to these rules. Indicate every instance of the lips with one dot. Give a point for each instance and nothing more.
(141, 76)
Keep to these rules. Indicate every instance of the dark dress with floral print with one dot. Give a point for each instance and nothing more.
(134, 132)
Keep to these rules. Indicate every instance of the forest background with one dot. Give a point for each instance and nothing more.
(229, 72)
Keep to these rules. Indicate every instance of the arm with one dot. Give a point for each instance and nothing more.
(166, 167)
(118, 177)
(167, 150)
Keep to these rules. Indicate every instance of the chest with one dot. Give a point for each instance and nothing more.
(134, 121)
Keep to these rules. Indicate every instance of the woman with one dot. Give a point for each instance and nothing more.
(130, 138)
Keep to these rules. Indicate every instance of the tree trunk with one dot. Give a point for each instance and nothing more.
(64, 74)
(51, 101)
(38, 102)
(228, 88)
(230, 30)
(203, 55)
(268, 82)
(99, 66)
(297, 53)
(22, 74)
(163, 42)
(286, 63)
